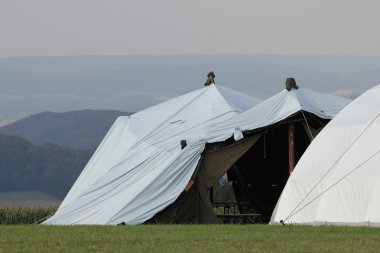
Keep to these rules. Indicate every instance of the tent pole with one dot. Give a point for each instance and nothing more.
(211, 192)
(291, 145)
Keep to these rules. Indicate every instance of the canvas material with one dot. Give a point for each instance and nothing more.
(140, 167)
(337, 179)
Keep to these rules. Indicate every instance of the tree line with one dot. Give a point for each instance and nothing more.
(48, 168)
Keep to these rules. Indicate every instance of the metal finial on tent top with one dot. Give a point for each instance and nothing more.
(290, 83)
(210, 78)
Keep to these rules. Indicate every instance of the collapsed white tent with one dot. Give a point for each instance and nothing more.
(337, 180)
(140, 167)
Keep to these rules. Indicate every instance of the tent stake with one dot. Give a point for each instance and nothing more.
(291, 145)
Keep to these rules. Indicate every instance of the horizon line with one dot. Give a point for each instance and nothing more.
(190, 54)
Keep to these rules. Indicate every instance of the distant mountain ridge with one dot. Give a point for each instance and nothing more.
(48, 168)
(33, 84)
(76, 129)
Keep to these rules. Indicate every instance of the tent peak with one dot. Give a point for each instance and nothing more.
(290, 83)
(210, 78)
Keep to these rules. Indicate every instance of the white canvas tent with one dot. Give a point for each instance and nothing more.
(142, 165)
(282, 106)
(261, 173)
(337, 181)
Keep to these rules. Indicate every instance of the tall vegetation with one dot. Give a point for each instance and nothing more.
(24, 215)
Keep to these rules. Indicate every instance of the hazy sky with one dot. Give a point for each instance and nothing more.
(86, 27)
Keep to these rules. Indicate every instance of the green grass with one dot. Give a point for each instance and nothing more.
(188, 238)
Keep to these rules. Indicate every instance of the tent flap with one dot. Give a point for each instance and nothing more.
(217, 160)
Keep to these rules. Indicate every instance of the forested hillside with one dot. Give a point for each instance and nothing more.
(76, 129)
(47, 168)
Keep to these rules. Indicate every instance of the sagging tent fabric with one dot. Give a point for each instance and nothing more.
(146, 160)
(195, 206)
(282, 106)
(260, 175)
(337, 181)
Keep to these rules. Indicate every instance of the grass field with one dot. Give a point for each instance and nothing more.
(188, 238)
